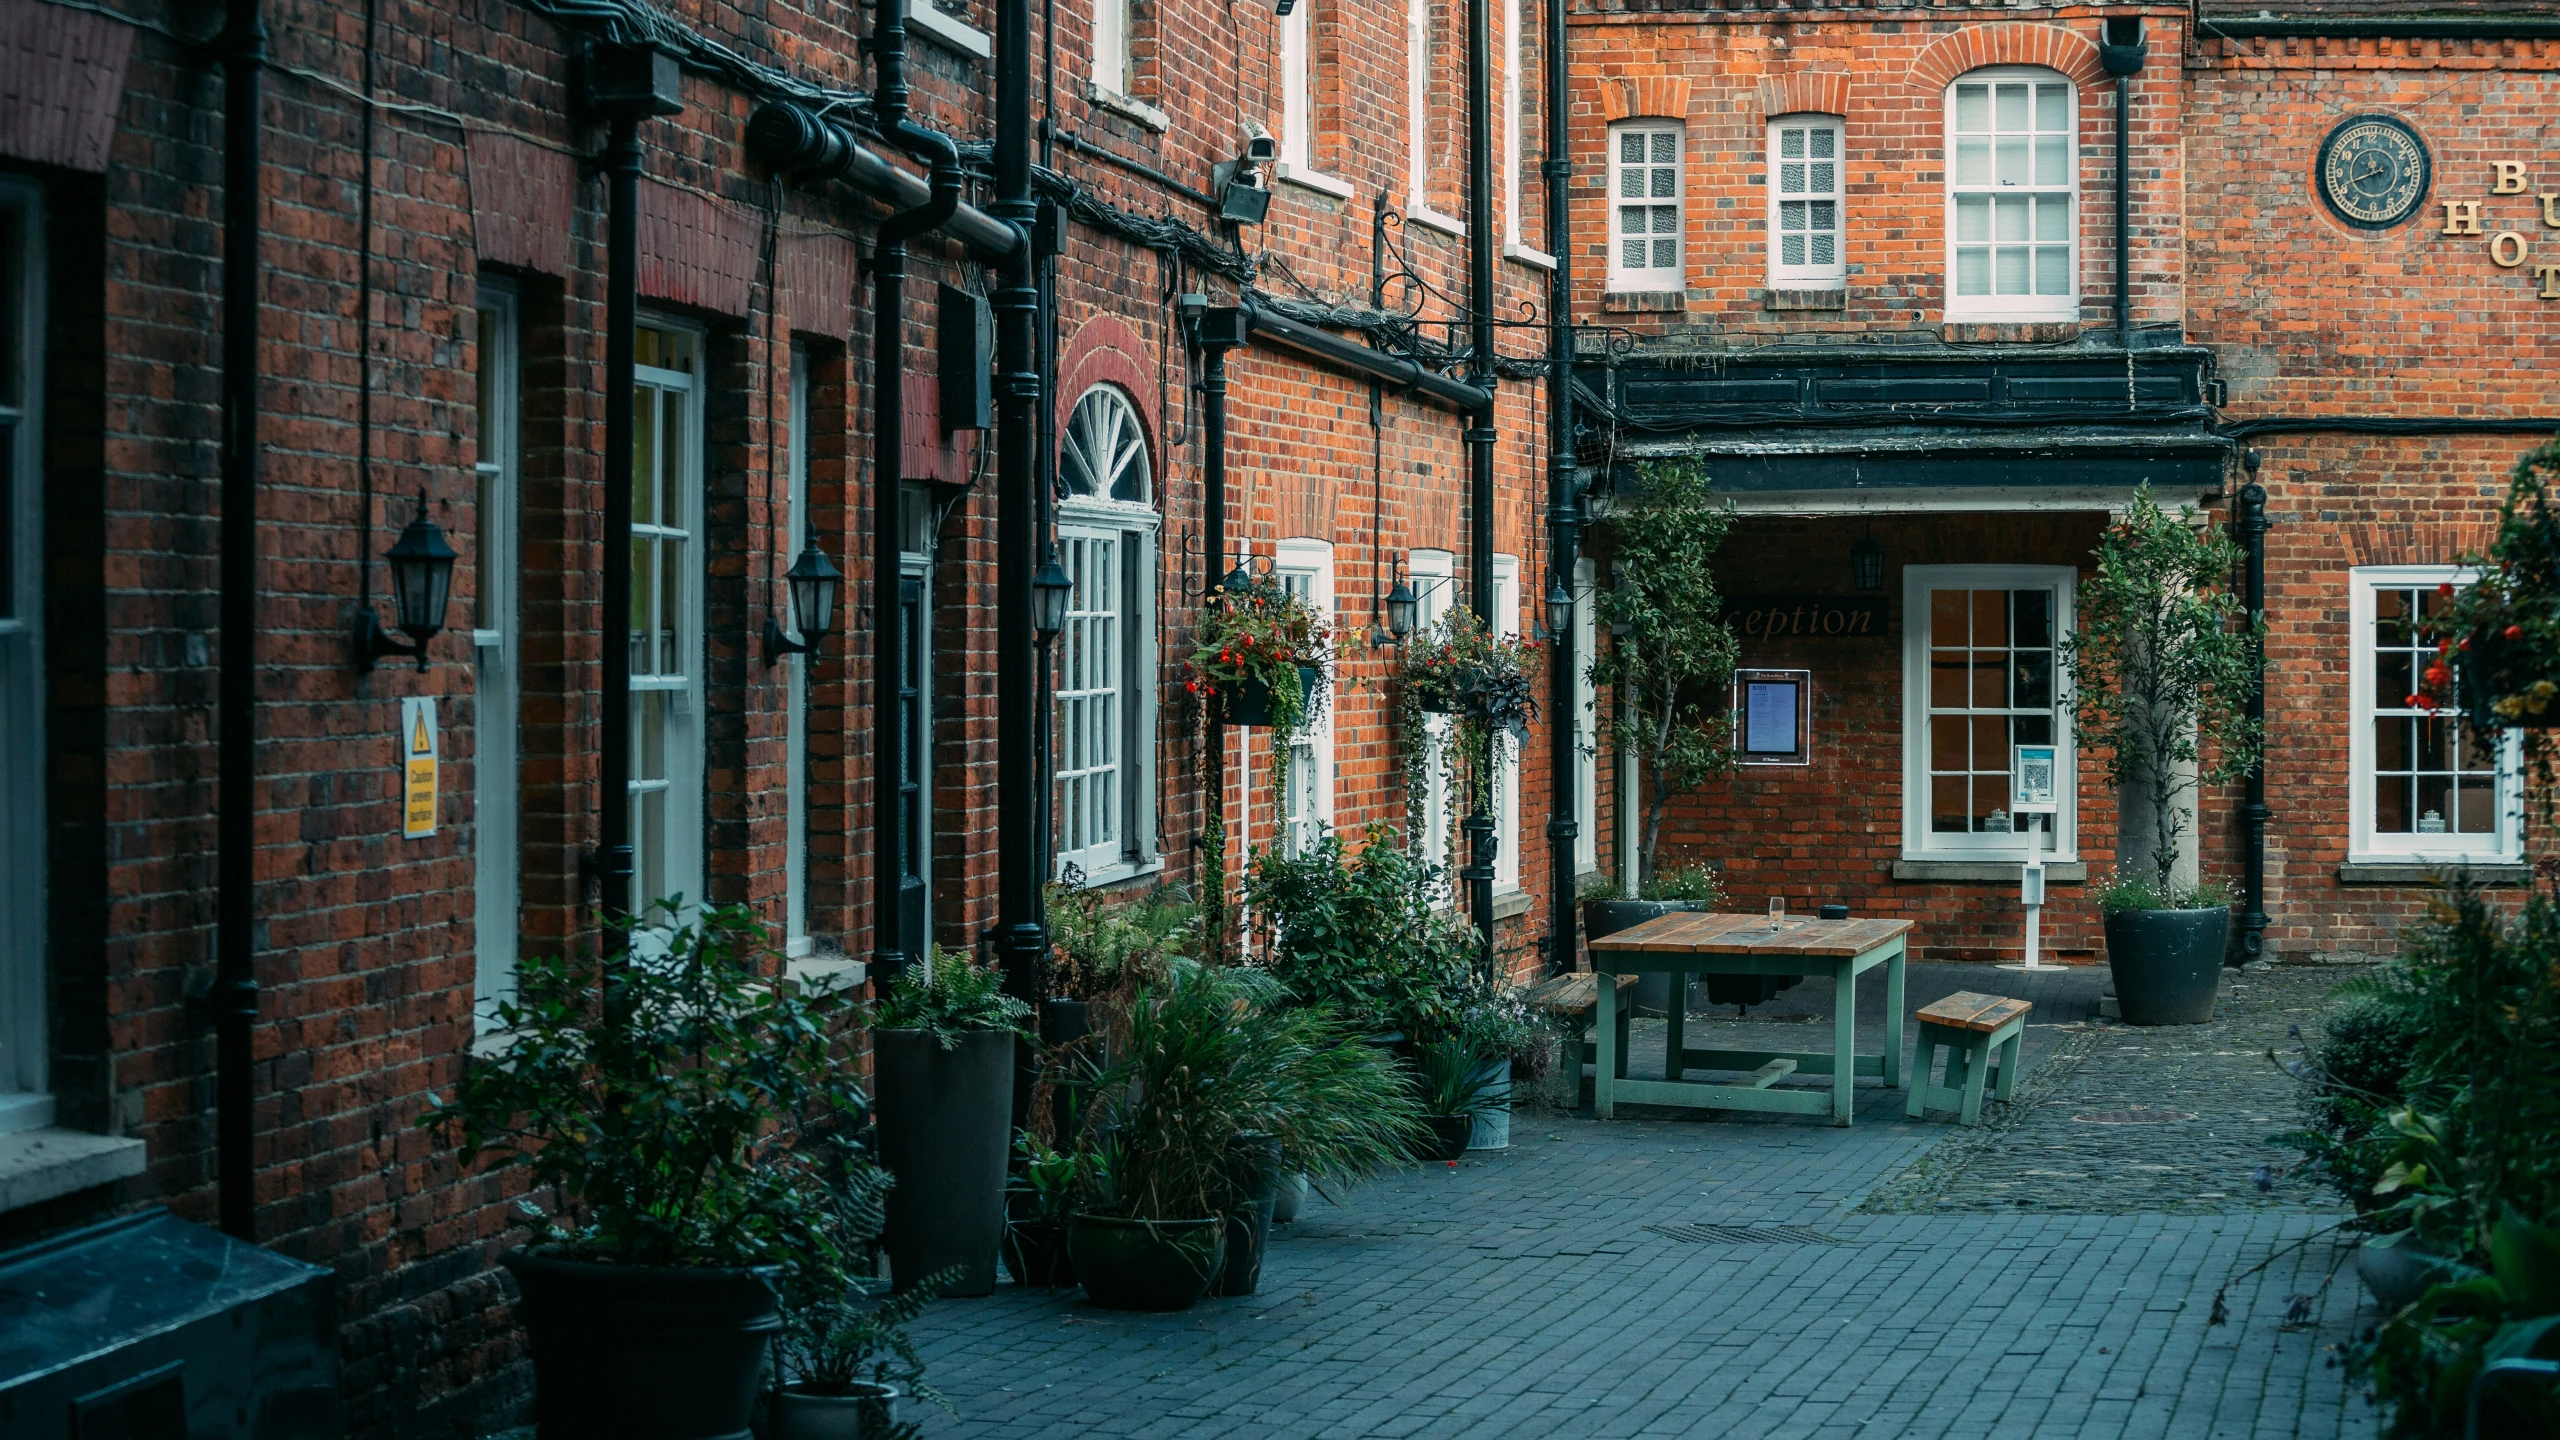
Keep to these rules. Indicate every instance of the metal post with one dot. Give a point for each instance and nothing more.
(1480, 438)
(1213, 541)
(2253, 525)
(235, 990)
(1564, 806)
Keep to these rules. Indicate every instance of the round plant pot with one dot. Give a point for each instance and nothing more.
(1249, 1224)
(1288, 1198)
(2167, 963)
(1491, 1127)
(945, 1116)
(870, 1412)
(1035, 1254)
(2399, 1272)
(1608, 917)
(1248, 702)
(1146, 1264)
(1448, 1135)
(639, 1352)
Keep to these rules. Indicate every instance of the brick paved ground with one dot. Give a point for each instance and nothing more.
(1524, 1293)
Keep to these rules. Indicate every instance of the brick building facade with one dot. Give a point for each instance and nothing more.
(431, 323)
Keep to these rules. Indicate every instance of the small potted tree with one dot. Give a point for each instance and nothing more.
(2162, 671)
(668, 1103)
(942, 1049)
(1670, 661)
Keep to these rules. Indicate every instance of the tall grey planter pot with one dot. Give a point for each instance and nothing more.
(2167, 963)
(1608, 917)
(943, 1117)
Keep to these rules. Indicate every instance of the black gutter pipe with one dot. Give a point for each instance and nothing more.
(890, 780)
(2415, 28)
(1564, 514)
(2389, 425)
(2122, 54)
(1022, 927)
(1480, 438)
(235, 987)
(1081, 146)
(1328, 348)
(787, 136)
(2250, 526)
(1217, 332)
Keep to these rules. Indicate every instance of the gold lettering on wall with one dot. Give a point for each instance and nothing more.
(2507, 251)
(2549, 274)
(2510, 177)
(2550, 210)
(2461, 217)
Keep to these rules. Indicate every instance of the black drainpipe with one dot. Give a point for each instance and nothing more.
(2250, 526)
(1564, 807)
(889, 765)
(2122, 53)
(235, 988)
(1480, 437)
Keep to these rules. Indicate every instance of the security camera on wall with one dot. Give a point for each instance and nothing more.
(1244, 193)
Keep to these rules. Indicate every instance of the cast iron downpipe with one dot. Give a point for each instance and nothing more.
(889, 756)
(787, 136)
(1564, 513)
(1350, 356)
(2122, 55)
(1480, 436)
(235, 986)
(1022, 928)
(2250, 527)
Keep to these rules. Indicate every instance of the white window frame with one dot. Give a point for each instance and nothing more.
(1623, 276)
(677, 694)
(1512, 129)
(1804, 170)
(1112, 62)
(1586, 719)
(1306, 566)
(1418, 52)
(1435, 587)
(2017, 307)
(26, 1099)
(790, 536)
(2365, 844)
(1506, 749)
(1298, 67)
(1133, 528)
(1919, 841)
(497, 657)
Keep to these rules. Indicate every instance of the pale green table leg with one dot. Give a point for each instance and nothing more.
(1893, 1021)
(1675, 1025)
(1844, 1041)
(2009, 1058)
(1604, 1069)
(1924, 1059)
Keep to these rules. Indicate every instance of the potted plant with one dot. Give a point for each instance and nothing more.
(1259, 657)
(2501, 634)
(1355, 924)
(1038, 1206)
(1456, 1088)
(1485, 683)
(1214, 1060)
(2163, 668)
(1663, 892)
(1670, 655)
(942, 1054)
(669, 1103)
(1493, 1025)
(1103, 948)
(841, 1365)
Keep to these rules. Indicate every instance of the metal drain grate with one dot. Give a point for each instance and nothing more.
(2133, 1117)
(1744, 1234)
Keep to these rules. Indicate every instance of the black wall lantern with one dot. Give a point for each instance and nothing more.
(1559, 607)
(421, 584)
(1403, 609)
(1866, 564)
(1050, 591)
(813, 580)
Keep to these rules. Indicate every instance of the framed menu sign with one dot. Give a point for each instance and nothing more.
(1773, 717)
(2034, 788)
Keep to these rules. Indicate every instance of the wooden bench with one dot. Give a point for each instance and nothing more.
(1575, 998)
(1971, 1027)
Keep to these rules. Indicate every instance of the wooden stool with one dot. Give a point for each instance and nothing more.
(1971, 1027)
(1576, 999)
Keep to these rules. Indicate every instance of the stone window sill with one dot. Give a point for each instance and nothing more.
(1430, 219)
(1310, 178)
(830, 968)
(1628, 302)
(1526, 255)
(2009, 332)
(1805, 298)
(2423, 872)
(1130, 107)
(1984, 872)
(1510, 904)
(38, 1165)
(952, 31)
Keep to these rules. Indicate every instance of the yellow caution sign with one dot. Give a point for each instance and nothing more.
(418, 766)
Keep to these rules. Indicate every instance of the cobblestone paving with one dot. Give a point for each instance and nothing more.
(1526, 1293)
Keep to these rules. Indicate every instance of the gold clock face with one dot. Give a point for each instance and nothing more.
(2373, 171)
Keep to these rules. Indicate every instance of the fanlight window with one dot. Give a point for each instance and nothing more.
(1106, 451)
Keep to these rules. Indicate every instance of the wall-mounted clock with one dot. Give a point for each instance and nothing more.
(2373, 171)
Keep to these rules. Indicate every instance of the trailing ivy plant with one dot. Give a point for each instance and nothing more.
(1485, 683)
(1670, 654)
(2162, 670)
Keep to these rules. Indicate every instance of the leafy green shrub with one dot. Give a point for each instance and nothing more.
(2426, 1357)
(1104, 947)
(2360, 1060)
(1689, 882)
(947, 997)
(1363, 933)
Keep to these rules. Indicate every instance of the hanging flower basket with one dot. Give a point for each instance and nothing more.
(1249, 702)
(1259, 657)
(2498, 639)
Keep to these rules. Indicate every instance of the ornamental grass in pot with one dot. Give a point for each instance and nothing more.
(942, 1054)
(685, 1107)
(1455, 1087)
(1214, 1056)
(2162, 668)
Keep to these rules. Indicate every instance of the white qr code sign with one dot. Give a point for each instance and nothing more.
(2033, 786)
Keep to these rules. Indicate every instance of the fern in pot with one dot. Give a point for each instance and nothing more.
(2162, 670)
(672, 1100)
(844, 1361)
(942, 1050)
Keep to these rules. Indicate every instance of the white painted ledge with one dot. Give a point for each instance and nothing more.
(1308, 178)
(38, 1165)
(950, 30)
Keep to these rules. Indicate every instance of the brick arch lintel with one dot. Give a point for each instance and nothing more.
(1108, 350)
(1976, 46)
(1652, 96)
(1823, 92)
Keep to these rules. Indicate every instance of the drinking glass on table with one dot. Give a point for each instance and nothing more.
(1777, 911)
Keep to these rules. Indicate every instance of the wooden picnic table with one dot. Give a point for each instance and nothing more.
(1707, 943)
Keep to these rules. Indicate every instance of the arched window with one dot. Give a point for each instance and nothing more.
(1645, 209)
(2012, 183)
(1104, 792)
